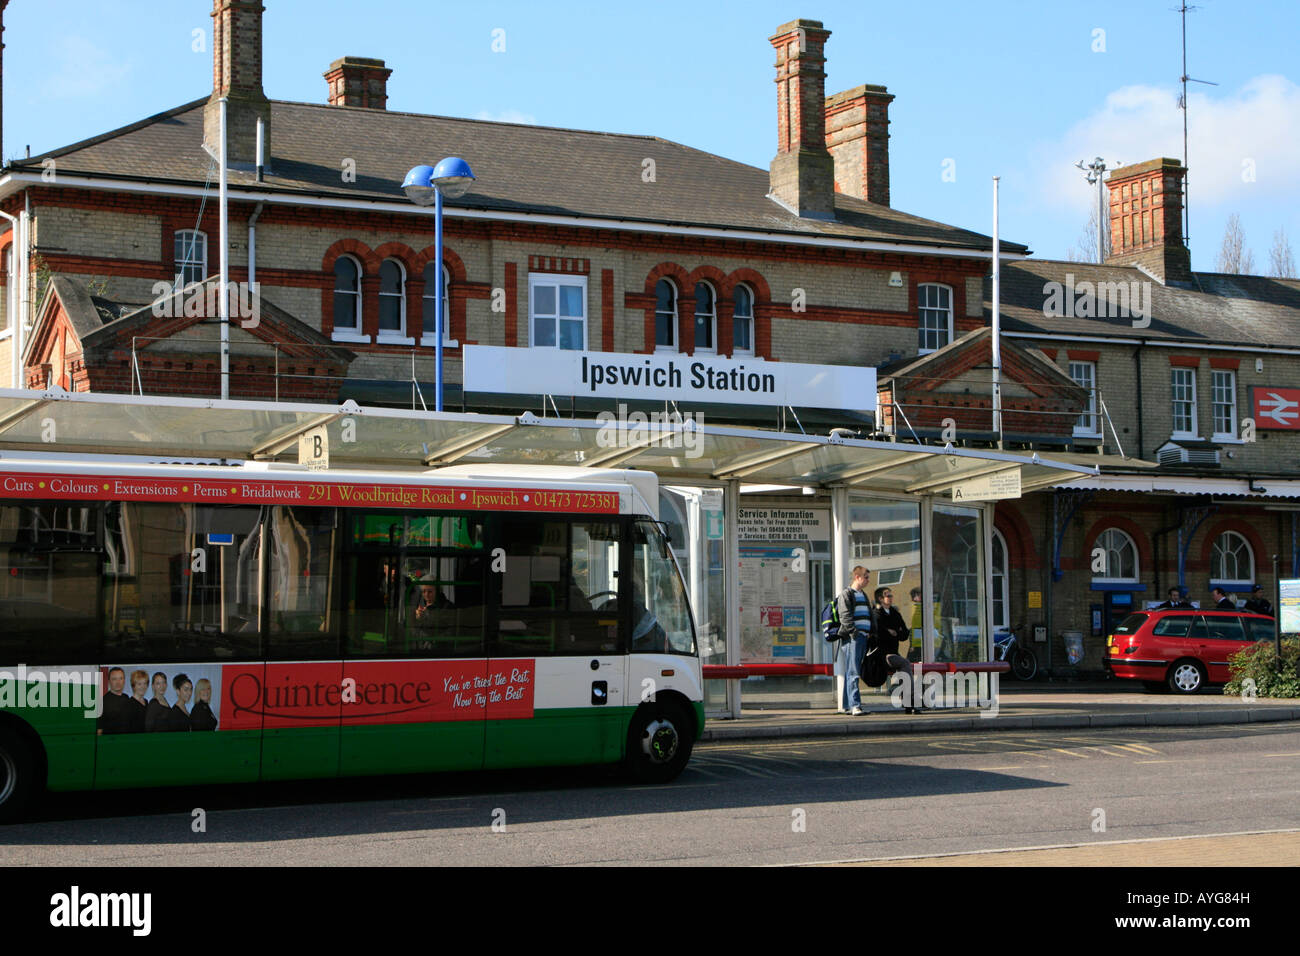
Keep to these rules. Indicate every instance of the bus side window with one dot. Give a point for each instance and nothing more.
(48, 582)
(183, 581)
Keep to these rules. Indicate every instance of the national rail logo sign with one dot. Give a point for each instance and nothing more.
(1275, 407)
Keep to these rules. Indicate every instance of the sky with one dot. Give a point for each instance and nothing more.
(1014, 88)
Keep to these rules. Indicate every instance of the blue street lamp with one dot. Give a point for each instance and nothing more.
(425, 185)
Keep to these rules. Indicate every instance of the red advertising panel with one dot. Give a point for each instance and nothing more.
(1275, 407)
(374, 692)
(327, 494)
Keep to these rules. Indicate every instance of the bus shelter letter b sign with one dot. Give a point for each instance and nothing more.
(314, 449)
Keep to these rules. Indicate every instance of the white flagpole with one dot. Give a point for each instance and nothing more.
(997, 321)
(225, 264)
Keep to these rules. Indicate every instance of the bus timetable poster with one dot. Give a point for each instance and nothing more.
(256, 491)
(773, 605)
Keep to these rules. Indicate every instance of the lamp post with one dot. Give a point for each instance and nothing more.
(425, 185)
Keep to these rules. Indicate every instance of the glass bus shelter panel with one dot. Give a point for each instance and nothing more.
(701, 555)
(959, 584)
(371, 438)
(885, 538)
(689, 453)
(552, 446)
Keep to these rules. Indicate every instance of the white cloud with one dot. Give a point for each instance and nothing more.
(78, 68)
(507, 116)
(1231, 134)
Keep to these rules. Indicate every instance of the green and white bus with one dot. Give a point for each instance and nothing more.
(181, 624)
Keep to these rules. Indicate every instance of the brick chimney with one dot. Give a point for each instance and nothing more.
(1146, 219)
(802, 172)
(357, 81)
(237, 75)
(857, 135)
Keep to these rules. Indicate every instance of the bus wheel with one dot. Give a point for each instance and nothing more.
(17, 775)
(659, 743)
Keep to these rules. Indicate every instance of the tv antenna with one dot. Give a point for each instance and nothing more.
(1182, 105)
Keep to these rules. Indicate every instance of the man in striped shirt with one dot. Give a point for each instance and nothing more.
(855, 625)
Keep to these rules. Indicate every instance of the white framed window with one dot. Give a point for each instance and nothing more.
(558, 310)
(428, 329)
(1085, 375)
(1223, 403)
(191, 253)
(1182, 382)
(1232, 562)
(742, 321)
(706, 318)
(1001, 604)
(1119, 557)
(934, 319)
(347, 300)
(392, 303)
(665, 316)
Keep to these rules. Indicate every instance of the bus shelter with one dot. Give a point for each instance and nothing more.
(766, 525)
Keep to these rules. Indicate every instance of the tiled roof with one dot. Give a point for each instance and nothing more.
(520, 169)
(1218, 309)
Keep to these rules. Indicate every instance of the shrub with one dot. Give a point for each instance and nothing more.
(1273, 677)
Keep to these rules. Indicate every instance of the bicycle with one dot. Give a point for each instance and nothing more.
(1009, 648)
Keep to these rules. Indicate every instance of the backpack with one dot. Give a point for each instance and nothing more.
(831, 619)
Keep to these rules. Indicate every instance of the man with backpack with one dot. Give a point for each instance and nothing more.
(854, 611)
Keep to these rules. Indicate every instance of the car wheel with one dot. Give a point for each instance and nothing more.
(659, 743)
(1186, 677)
(17, 775)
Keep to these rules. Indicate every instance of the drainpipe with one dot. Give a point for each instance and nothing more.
(21, 226)
(1156, 536)
(11, 294)
(1137, 363)
(252, 248)
(1049, 506)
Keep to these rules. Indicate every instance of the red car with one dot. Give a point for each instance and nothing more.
(1182, 649)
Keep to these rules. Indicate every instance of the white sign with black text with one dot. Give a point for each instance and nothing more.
(668, 377)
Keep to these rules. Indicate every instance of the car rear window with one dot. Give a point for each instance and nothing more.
(1261, 630)
(1176, 625)
(1130, 624)
(1224, 628)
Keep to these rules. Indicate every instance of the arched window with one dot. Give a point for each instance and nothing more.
(347, 295)
(392, 300)
(191, 252)
(742, 323)
(1232, 561)
(934, 319)
(1001, 604)
(706, 318)
(665, 315)
(429, 329)
(1119, 556)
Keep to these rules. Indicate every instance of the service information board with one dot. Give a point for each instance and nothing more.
(795, 525)
(773, 605)
(1289, 609)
